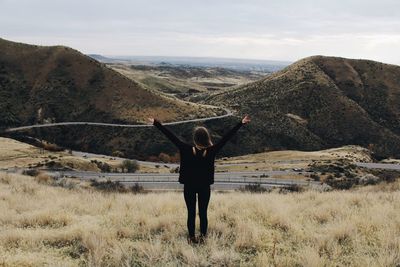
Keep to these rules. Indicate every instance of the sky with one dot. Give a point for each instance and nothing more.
(285, 30)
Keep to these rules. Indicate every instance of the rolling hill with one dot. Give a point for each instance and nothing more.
(322, 102)
(39, 83)
(186, 82)
(57, 84)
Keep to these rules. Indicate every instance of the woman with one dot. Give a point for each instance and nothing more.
(196, 171)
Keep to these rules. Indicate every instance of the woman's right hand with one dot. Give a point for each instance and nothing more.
(246, 119)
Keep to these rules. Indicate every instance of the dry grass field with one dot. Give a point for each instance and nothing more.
(178, 80)
(18, 154)
(289, 159)
(43, 225)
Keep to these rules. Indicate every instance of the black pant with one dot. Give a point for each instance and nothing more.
(203, 193)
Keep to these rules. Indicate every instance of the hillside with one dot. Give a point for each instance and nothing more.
(58, 83)
(321, 102)
(44, 224)
(186, 82)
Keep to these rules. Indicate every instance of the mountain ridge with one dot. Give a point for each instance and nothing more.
(325, 93)
(66, 85)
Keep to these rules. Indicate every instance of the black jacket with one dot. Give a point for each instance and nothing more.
(197, 170)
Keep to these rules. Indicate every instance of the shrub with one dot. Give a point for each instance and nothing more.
(164, 157)
(291, 188)
(53, 164)
(254, 188)
(65, 183)
(117, 153)
(315, 177)
(386, 175)
(136, 188)
(103, 166)
(31, 172)
(129, 165)
(174, 170)
(115, 186)
(342, 183)
(108, 186)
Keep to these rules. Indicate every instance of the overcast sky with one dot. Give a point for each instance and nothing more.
(276, 30)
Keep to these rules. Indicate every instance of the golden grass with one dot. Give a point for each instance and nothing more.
(289, 159)
(44, 225)
(18, 154)
(160, 80)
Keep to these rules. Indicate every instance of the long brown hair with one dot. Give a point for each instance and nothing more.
(201, 137)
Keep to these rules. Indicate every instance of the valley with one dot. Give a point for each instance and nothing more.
(302, 185)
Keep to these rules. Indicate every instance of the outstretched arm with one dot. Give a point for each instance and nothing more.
(230, 134)
(174, 139)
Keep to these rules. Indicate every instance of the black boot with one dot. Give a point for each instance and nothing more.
(202, 239)
(192, 240)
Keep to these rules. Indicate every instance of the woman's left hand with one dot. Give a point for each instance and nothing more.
(151, 120)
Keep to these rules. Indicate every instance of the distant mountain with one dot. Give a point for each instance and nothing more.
(320, 102)
(101, 58)
(227, 63)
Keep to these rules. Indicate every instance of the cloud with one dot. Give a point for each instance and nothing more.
(225, 28)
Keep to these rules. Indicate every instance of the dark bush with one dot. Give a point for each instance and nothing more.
(174, 170)
(386, 175)
(31, 172)
(315, 177)
(103, 166)
(115, 186)
(129, 165)
(108, 186)
(254, 188)
(137, 188)
(342, 184)
(291, 188)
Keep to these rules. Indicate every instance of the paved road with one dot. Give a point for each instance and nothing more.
(386, 166)
(226, 176)
(178, 186)
(141, 162)
(148, 163)
(223, 180)
(22, 128)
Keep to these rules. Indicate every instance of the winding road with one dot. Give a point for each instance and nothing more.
(226, 180)
(27, 127)
(223, 180)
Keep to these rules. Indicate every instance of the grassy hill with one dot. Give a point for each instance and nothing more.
(44, 225)
(321, 102)
(186, 82)
(55, 84)
(60, 84)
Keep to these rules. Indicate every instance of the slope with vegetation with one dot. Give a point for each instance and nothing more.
(187, 82)
(58, 84)
(321, 102)
(55, 84)
(46, 223)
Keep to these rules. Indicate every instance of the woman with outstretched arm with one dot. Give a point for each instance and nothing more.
(196, 171)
